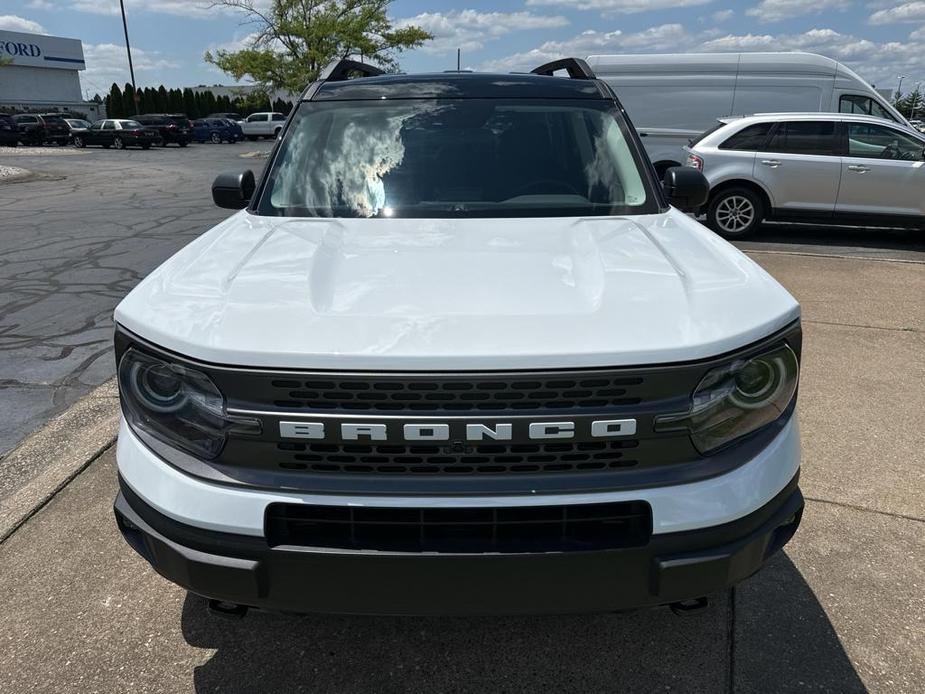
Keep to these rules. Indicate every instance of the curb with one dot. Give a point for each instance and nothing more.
(67, 445)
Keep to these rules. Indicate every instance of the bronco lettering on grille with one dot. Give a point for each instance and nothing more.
(458, 430)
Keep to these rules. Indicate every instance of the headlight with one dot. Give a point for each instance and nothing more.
(737, 399)
(178, 405)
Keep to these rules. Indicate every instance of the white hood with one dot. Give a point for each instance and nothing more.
(431, 294)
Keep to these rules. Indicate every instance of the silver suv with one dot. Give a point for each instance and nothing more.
(811, 167)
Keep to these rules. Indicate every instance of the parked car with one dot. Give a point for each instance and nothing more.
(267, 124)
(236, 130)
(173, 128)
(117, 132)
(42, 128)
(462, 353)
(76, 126)
(9, 133)
(236, 117)
(811, 167)
(215, 130)
(674, 97)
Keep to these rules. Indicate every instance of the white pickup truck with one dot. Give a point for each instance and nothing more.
(265, 124)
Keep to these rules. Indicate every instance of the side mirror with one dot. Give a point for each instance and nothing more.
(233, 190)
(686, 188)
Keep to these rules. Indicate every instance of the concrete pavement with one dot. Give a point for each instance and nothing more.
(842, 610)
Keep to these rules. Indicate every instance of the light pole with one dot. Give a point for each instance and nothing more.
(128, 50)
(899, 89)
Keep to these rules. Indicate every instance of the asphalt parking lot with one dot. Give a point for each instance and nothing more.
(73, 241)
(842, 610)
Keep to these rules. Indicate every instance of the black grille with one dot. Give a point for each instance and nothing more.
(477, 393)
(458, 459)
(462, 530)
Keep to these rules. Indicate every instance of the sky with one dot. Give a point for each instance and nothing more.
(881, 39)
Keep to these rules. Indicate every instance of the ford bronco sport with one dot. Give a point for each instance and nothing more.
(458, 352)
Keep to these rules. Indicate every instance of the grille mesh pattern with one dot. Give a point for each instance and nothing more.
(461, 459)
(509, 529)
(456, 394)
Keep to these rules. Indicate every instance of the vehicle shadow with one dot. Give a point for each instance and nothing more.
(838, 237)
(783, 642)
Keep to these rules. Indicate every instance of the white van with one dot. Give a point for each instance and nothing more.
(671, 98)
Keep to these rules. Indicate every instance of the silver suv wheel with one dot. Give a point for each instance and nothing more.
(735, 213)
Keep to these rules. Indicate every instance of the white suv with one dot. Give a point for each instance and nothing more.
(811, 167)
(458, 355)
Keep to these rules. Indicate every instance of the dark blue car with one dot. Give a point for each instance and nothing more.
(216, 130)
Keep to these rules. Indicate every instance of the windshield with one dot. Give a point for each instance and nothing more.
(456, 158)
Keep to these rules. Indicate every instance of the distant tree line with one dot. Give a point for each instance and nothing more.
(195, 104)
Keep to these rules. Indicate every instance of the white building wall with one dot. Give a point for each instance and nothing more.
(22, 83)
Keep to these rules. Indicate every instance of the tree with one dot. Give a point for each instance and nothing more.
(189, 104)
(114, 102)
(129, 106)
(912, 105)
(295, 39)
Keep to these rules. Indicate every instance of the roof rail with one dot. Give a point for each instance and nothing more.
(576, 68)
(339, 70)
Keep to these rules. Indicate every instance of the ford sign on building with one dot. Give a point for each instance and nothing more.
(41, 73)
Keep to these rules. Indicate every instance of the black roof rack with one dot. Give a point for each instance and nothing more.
(576, 68)
(339, 70)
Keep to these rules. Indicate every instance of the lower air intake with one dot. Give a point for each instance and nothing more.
(577, 528)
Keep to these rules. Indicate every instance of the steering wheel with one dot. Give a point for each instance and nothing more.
(891, 151)
(555, 184)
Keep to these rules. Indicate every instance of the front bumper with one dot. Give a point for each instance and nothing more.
(244, 569)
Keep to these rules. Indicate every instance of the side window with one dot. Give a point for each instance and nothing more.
(880, 142)
(749, 139)
(856, 103)
(804, 137)
(257, 118)
(97, 125)
(109, 125)
(279, 116)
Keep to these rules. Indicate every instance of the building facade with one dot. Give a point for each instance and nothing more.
(42, 73)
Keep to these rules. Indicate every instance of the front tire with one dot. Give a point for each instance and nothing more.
(79, 142)
(735, 213)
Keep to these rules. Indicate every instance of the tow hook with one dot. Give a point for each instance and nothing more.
(228, 610)
(689, 607)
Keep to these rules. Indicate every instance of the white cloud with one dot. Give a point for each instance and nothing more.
(11, 22)
(907, 12)
(877, 62)
(180, 8)
(469, 29)
(107, 63)
(619, 6)
(722, 16)
(776, 10)
(183, 8)
(659, 38)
